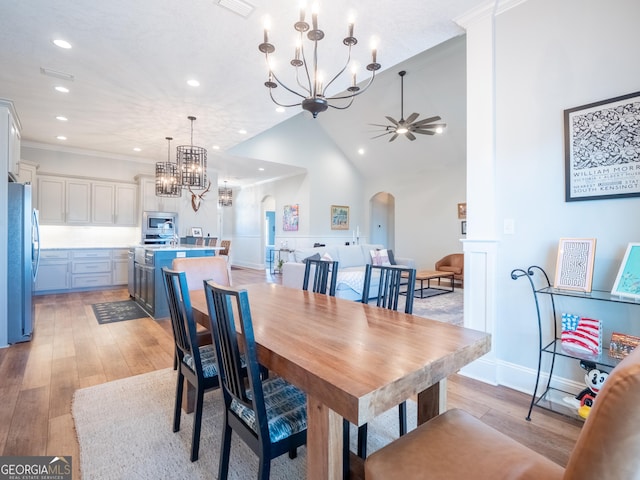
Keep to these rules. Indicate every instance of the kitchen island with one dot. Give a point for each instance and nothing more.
(145, 273)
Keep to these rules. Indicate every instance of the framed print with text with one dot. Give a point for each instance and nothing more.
(602, 149)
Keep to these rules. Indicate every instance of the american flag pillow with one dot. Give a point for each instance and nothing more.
(583, 334)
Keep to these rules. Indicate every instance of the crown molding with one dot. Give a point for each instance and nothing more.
(80, 151)
(490, 8)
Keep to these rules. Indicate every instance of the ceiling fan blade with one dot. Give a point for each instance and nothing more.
(431, 125)
(424, 132)
(392, 121)
(427, 120)
(381, 135)
(379, 125)
(412, 117)
(410, 136)
(395, 135)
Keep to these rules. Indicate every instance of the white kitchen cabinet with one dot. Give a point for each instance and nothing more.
(148, 199)
(126, 205)
(78, 201)
(63, 201)
(53, 272)
(120, 266)
(10, 136)
(27, 174)
(52, 200)
(102, 203)
(81, 269)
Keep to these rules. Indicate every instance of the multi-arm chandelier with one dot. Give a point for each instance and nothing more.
(167, 178)
(312, 88)
(192, 164)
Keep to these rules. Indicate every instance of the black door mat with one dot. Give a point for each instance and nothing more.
(111, 312)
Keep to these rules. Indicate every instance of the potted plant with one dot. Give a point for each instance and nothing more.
(279, 265)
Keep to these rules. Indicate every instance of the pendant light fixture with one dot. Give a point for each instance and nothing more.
(192, 164)
(225, 196)
(167, 178)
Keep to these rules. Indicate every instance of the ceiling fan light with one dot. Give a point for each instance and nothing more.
(402, 130)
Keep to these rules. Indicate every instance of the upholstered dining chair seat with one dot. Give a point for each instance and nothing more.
(286, 408)
(208, 359)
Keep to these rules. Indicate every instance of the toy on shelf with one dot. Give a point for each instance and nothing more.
(594, 379)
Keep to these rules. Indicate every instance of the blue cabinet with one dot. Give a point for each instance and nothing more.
(155, 300)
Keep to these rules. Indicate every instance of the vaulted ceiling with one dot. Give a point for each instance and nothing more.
(128, 68)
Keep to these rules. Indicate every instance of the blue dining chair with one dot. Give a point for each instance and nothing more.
(325, 274)
(387, 296)
(270, 415)
(195, 364)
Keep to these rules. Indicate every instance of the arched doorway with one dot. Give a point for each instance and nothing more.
(268, 228)
(382, 225)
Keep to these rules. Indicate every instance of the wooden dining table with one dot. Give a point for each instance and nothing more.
(352, 360)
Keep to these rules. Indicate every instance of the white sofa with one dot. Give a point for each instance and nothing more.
(351, 265)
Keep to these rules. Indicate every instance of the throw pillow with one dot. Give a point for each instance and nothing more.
(380, 258)
(326, 257)
(392, 259)
(315, 256)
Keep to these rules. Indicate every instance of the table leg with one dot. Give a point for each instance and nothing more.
(324, 441)
(432, 401)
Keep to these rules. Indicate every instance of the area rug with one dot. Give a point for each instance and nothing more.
(110, 312)
(448, 307)
(124, 431)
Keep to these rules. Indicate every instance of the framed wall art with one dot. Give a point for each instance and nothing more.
(290, 218)
(602, 149)
(627, 282)
(574, 266)
(196, 231)
(339, 217)
(463, 227)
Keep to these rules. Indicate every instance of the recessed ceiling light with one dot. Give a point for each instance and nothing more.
(361, 151)
(242, 131)
(193, 82)
(137, 149)
(62, 89)
(216, 147)
(61, 43)
(280, 109)
(61, 118)
(61, 137)
(261, 169)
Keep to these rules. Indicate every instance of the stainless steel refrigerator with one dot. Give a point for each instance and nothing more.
(24, 256)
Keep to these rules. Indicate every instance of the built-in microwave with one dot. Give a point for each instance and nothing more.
(159, 227)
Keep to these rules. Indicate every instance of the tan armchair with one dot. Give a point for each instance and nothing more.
(458, 445)
(453, 263)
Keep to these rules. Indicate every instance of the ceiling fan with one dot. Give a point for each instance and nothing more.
(409, 126)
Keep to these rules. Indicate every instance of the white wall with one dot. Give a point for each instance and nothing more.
(331, 180)
(551, 56)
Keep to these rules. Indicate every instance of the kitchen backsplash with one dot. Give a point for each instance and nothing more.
(54, 236)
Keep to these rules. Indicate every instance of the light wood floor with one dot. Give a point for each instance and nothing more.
(70, 350)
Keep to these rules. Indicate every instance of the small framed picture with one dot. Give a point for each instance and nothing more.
(463, 227)
(196, 232)
(462, 210)
(339, 217)
(627, 282)
(574, 266)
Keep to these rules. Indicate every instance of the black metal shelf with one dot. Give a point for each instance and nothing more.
(552, 398)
